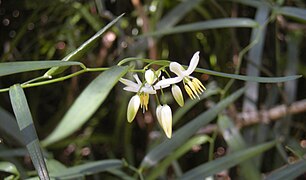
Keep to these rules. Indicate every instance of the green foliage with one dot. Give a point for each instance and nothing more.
(235, 129)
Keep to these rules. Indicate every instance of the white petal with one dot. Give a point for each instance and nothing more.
(137, 79)
(193, 64)
(176, 68)
(128, 82)
(133, 108)
(131, 89)
(167, 82)
(148, 89)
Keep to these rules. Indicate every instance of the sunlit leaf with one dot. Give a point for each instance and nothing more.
(86, 104)
(9, 168)
(27, 128)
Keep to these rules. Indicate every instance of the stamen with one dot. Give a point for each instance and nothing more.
(189, 91)
(193, 88)
(199, 84)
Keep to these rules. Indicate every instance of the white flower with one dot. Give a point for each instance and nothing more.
(137, 87)
(164, 117)
(192, 85)
(177, 94)
(133, 108)
(140, 99)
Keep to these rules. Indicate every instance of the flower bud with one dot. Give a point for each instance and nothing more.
(150, 76)
(164, 117)
(177, 94)
(133, 108)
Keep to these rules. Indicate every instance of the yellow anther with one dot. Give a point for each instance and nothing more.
(198, 84)
(189, 91)
(144, 101)
(193, 88)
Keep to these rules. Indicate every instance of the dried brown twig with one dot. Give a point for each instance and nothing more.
(266, 116)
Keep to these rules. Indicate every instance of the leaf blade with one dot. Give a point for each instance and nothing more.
(88, 168)
(76, 54)
(93, 96)
(291, 171)
(226, 162)
(210, 24)
(8, 68)
(249, 78)
(181, 135)
(26, 126)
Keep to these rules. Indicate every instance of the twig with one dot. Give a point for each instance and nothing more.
(265, 116)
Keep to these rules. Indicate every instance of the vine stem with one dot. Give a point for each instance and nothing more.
(31, 83)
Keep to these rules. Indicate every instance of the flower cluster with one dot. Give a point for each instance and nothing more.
(152, 83)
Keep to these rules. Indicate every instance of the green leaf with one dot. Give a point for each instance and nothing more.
(8, 68)
(87, 169)
(226, 162)
(176, 14)
(81, 50)
(197, 140)
(86, 104)
(235, 142)
(184, 133)
(27, 128)
(248, 78)
(14, 152)
(291, 171)
(9, 168)
(211, 24)
(295, 12)
(254, 3)
(10, 127)
(55, 166)
(225, 75)
(190, 103)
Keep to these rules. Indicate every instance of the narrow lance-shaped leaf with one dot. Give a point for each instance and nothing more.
(249, 78)
(8, 68)
(235, 142)
(86, 104)
(185, 132)
(10, 127)
(232, 76)
(78, 53)
(211, 24)
(27, 128)
(291, 171)
(87, 169)
(228, 161)
(295, 12)
(195, 141)
(176, 14)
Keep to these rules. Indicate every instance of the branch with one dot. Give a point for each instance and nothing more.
(265, 116)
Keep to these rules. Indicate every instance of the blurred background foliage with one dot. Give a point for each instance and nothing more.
(49, 30)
